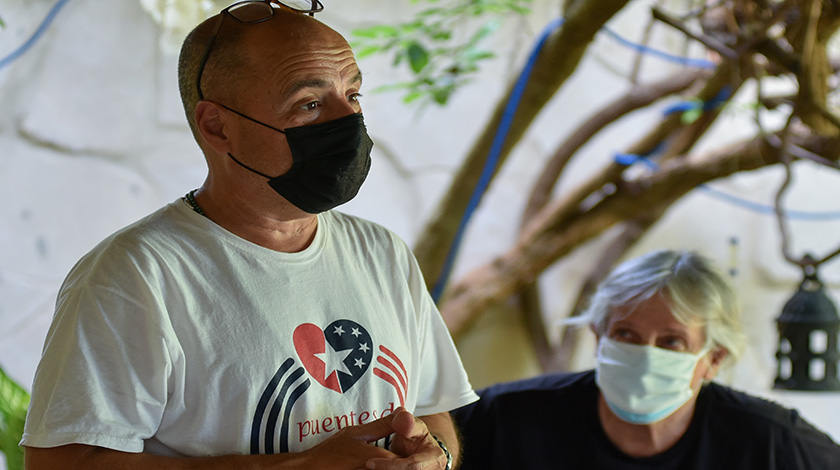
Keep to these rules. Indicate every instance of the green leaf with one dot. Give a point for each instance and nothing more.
(474, 55)
(418, 57)
(14, 402)
(486, 30)
(432, 12)
(376, 32)
(413, 96)
(441, 35)
(391, 87)
(398, 57)
(441, 96)
(365, 51)
(691, 115)
(432, 43)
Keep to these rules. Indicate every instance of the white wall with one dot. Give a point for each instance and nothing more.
(92, 137)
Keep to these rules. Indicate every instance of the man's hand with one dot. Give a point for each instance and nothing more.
(350, 448)
(412, 443)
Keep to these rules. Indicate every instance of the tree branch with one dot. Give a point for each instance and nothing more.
(704, 39)
(557, 230)
(637, 98)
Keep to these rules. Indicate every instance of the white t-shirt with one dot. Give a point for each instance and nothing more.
(176, 337)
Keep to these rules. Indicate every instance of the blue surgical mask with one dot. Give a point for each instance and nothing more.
(644, 384)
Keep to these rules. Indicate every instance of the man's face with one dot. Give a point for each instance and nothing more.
(306, 74)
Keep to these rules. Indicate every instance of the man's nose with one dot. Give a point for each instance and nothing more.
(339, 109)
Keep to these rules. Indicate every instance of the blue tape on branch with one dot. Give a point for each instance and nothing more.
(493, 157)
(714, 103)
(688, 62)
(35, 36)
(681, 107)
(628, 159)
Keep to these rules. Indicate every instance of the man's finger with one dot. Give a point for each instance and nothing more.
(375, 430)
(406, 425)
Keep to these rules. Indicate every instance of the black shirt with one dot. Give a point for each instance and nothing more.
(551, 422)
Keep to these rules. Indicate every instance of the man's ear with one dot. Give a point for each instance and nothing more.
(210, 120)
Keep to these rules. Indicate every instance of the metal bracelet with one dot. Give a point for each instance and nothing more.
(445, 451)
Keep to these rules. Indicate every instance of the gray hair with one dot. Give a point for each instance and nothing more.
(696, 294)
(226, 68)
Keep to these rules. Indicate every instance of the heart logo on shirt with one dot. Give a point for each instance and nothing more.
(337, 356)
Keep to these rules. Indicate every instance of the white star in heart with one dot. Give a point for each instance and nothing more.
(334, 360)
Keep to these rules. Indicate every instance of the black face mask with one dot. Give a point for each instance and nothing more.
(330, 161)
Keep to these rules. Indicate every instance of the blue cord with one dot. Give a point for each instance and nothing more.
(629, 159)
(493, 157)
(701, 63)
(37, 35)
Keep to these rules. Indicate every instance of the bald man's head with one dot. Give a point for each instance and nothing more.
(241, 54)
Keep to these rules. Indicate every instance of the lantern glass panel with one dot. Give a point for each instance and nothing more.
(816, 369)
(784, 346)
(785, 368)
(819, 341)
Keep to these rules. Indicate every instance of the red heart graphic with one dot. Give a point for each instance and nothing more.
(309, 340)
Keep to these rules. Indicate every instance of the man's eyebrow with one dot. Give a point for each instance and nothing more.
(317, 83)
(307, 83)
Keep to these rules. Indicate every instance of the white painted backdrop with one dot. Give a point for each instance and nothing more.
(92, 137)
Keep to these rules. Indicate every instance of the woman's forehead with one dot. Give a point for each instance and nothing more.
(653, 313)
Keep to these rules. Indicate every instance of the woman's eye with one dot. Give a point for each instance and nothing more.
(676, 344)
(622, 334)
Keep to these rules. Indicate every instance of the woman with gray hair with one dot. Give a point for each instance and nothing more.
(665, 323)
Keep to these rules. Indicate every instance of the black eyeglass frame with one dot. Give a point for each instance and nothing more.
(316, 7)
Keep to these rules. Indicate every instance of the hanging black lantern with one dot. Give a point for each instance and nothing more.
(808, 328)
